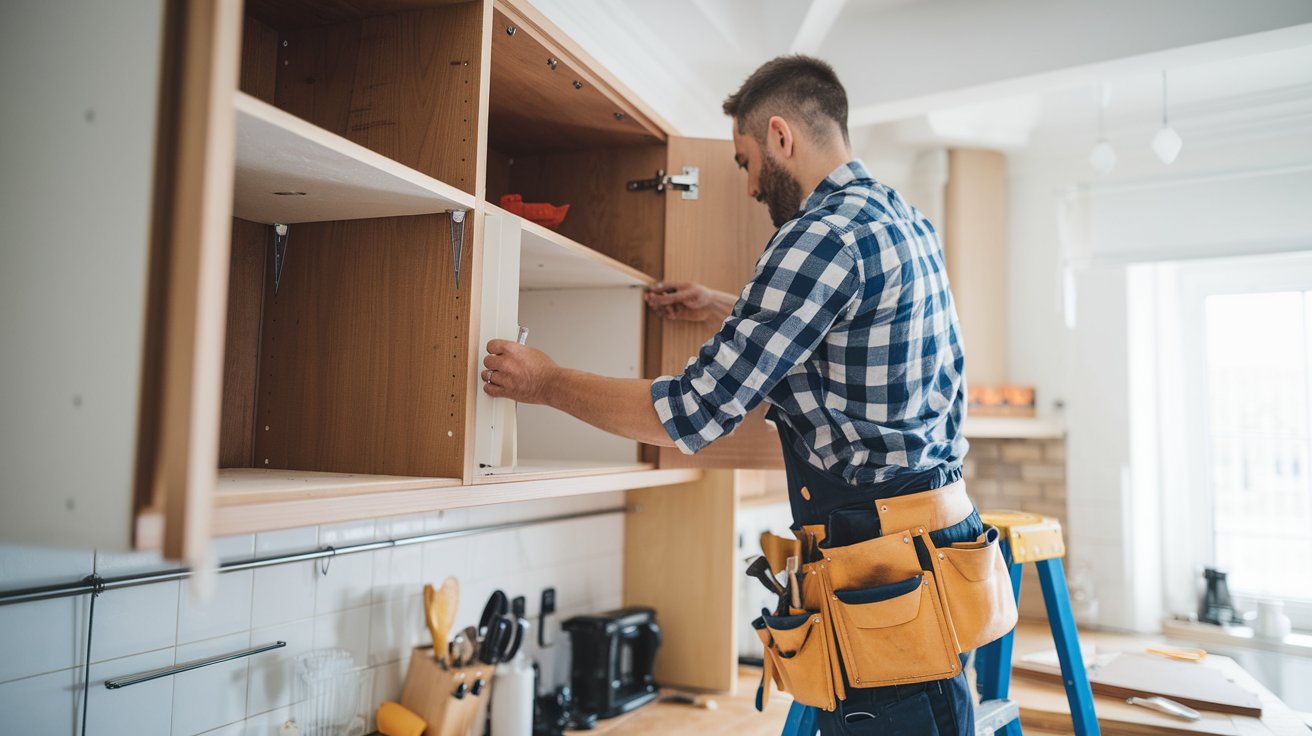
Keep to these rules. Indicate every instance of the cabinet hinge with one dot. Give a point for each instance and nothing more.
(685, 182)
(458, 239)
(280, 233)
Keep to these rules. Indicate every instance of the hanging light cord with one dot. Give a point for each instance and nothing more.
(1163, 98)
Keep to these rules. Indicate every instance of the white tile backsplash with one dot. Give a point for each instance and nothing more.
(49, 703)
(53, 637)
(270, 684)
(348, 584)
(283, 593)
(145, 708)
(347, 630)
(228, 610)
(212, 696)
(133, 620)
(368, 603)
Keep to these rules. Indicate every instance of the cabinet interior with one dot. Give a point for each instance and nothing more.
(357, 128)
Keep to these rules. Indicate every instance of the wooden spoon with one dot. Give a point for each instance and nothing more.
(445, 602)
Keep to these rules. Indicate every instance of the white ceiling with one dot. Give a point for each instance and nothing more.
(1002, 66)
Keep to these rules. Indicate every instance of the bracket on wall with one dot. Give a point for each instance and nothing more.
(458, 239)
(280, 233)
(685, 182)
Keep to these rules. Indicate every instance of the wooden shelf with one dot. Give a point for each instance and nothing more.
(252, 500)
(1020, 428)
(529, 470)
(549, 260)
(340, 180)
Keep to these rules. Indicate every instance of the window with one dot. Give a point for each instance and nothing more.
(1257, 408)
(1233, 405)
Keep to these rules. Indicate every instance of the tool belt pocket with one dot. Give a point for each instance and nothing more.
(977, 587)
(797, 648)
(894, 633)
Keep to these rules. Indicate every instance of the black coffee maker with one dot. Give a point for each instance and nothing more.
(614, 653)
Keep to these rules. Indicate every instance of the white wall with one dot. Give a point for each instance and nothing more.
(369, 603)
(1237, 188)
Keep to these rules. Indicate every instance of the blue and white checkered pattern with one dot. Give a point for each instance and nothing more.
(848, 328)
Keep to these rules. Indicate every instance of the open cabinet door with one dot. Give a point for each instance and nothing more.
(115, 223)
(715, 240)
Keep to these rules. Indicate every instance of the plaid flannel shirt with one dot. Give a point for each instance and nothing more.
(849, 330)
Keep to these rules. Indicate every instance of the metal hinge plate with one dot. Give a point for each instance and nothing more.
(686, 182)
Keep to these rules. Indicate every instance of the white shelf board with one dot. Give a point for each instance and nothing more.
(341, 180)
(549, 260)
(1020, 428)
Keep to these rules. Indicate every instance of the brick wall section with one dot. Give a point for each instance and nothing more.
(1024, 475)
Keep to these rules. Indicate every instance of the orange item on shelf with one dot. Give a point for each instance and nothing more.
(547, 215)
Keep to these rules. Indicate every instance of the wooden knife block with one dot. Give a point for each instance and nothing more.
(430, 689)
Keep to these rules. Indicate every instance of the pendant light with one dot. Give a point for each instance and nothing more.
(1102, 158)
(1167, 142)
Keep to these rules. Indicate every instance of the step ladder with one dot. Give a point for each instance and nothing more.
(1025, 538)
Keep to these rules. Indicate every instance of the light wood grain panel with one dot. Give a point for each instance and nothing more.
(536, 108)
(259, 60)
(678, 559)
(320, 498)
(241, 353)
(627, 226)
(290, 171)
(975, 253)
(198, 235)
(287, 15)
(714, 240)
(557, 42)
(362, 365)
(404, 85)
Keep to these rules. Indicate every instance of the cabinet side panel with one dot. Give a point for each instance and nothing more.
(627, 226)
(364, 350)
(679, 560)
(595, 330)
(242, 345)
(259, 59)
(405, 85)
(714, 240)
(79, 122)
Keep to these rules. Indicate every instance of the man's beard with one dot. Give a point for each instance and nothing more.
(780, 192)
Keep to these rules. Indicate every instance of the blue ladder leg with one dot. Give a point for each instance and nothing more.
(1052, 579)
(801, 721)
(993, 660)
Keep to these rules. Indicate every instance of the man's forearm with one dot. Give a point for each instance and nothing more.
(617, 405)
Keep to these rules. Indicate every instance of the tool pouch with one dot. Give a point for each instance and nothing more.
(895, 609)
(977, 587)
(797, 655)
(889, 619)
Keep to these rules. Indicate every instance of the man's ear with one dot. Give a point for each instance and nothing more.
(779, 137)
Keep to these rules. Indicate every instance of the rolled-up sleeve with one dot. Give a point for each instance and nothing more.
(805, 281)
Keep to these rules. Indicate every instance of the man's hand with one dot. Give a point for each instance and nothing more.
(518, 372)
(684, 300)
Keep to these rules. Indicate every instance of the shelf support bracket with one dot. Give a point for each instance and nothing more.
(458, 239)
(280, 233)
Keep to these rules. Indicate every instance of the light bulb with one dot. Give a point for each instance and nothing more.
(1167, 144)
(1102, 158)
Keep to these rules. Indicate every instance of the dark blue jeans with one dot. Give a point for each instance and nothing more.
(936, 708)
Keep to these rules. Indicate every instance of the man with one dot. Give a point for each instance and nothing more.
(847, 330)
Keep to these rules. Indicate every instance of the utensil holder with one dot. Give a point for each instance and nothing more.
(449, 699)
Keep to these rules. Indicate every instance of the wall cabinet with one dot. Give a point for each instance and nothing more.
(318, 259)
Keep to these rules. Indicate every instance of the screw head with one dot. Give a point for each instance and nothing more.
(578, 84)
(510, 30)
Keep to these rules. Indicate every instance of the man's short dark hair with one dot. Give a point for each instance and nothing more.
(800, 88)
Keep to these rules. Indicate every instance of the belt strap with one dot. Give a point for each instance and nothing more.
(925, 511)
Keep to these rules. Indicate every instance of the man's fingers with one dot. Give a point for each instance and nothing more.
(497, 347)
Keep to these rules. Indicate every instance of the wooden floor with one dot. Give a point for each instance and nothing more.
(1040, 705)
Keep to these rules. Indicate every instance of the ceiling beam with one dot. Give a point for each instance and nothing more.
(820, 18)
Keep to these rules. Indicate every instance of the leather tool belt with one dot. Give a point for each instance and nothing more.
(893, 609)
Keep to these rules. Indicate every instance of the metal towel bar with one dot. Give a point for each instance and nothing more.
(194, 664)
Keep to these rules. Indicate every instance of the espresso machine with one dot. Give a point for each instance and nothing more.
(613, 656)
